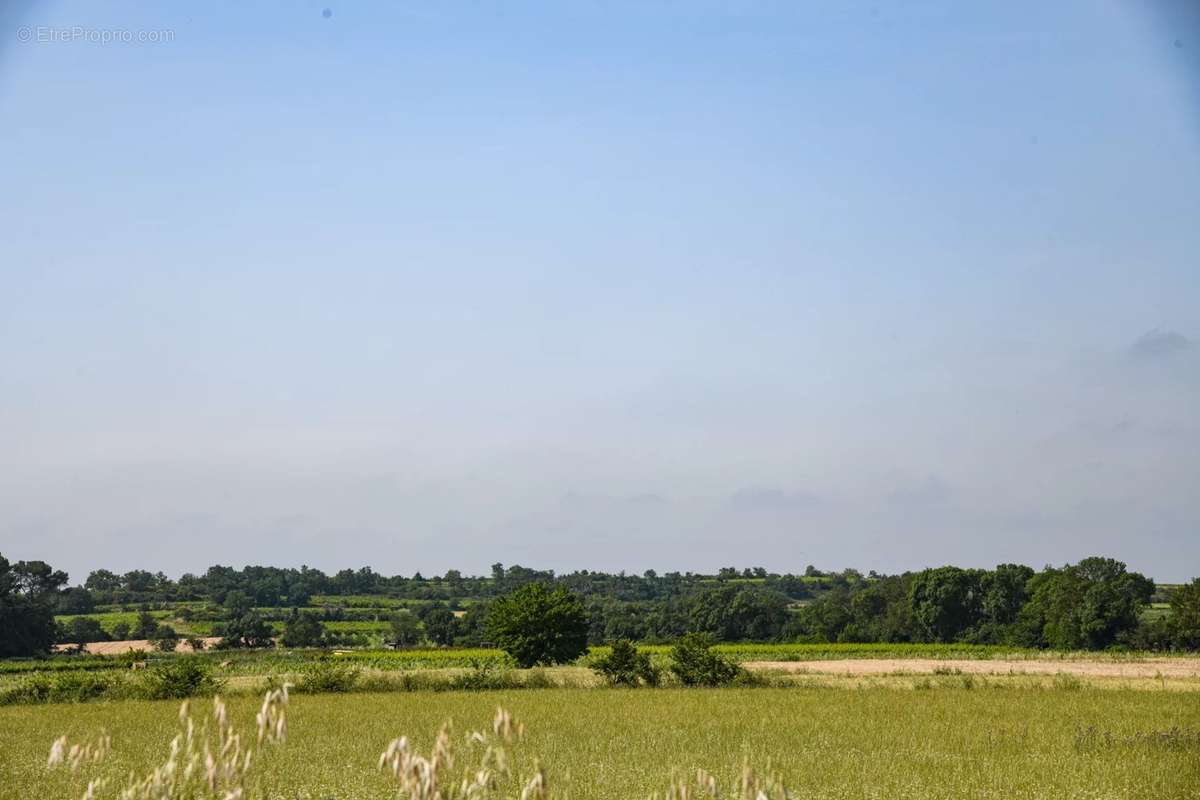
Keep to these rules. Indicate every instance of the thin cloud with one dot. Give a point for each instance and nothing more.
(1159, 344)
(771, 499)
(928, 492)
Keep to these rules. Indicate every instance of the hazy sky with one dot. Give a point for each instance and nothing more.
(593, 284)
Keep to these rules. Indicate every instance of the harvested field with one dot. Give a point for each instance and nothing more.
(1148, 668)
(119, 648)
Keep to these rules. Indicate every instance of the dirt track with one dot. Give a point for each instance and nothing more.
(1149, 668)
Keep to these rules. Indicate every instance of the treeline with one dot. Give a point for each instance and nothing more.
(287, 587)
(1095, 604)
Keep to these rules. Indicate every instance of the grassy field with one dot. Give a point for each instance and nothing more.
(283, 661)
(1013, 742)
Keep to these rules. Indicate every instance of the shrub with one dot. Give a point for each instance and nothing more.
(1065, 681)
(538, 678)
(69, 686)
(483, 675)
(165, 639)
(626, 666)
(179, 678)
(324, 677)
(78, 687)
(695, 664)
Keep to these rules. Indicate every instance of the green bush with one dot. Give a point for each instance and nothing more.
(538, 678)
(484, 675)
(78, 687)
(165, 640)
(695, 664)
(1066, 682)
(325, 677)
(60, 687)
(626, 666)
(178, 678)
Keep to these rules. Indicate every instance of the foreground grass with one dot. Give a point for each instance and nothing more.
(826, 742)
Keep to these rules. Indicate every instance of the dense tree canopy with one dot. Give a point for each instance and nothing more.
(1185, 616)
(945, 602)
(1088, 606)
(243, 627)
(539, 625)
(1096, 603)
(406, 629)
(302, 629)
(28, 595)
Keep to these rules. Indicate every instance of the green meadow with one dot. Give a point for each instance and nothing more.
(993, 742)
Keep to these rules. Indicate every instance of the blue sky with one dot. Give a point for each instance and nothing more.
(430, 285)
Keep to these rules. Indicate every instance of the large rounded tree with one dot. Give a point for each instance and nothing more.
(539, 625)
(28, 593)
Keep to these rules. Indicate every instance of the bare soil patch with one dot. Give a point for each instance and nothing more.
(1148, 668)
(117, 648)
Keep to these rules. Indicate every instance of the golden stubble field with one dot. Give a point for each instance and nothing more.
(1004, 741)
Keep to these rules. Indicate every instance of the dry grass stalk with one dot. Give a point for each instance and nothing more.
(213, 762)
(77, 755)
(199, 766)
(750, 786)
(433, 777)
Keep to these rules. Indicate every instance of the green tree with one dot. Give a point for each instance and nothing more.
(146, 625)
(139, 581)
(165, 639)
(82, 630)
(733, 613)
(102, 580)
(406, 629)
(471, 628)
(440, 625)
(1185, 616)
(539, 625)
(302, 629)
(1004, 592)
(244, 627)
(880, 612)
(76, 600)
(826, 618)
(1088, 606)
(28, 593)
(945, 602)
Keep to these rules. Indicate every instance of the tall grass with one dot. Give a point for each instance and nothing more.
(612, 744)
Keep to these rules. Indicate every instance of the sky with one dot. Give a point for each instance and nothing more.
(427, 285)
